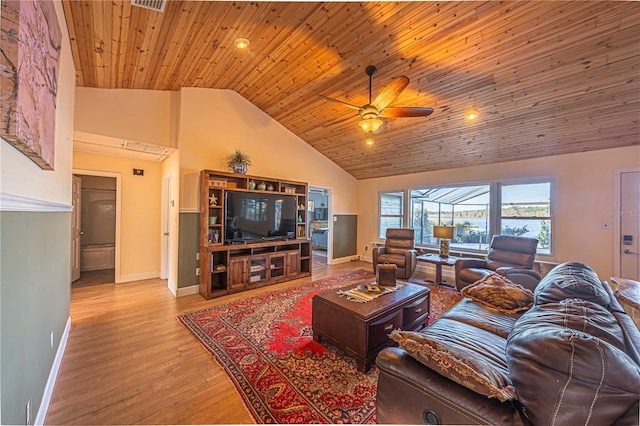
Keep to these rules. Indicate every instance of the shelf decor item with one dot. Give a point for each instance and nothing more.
(252, 184)
(262, 186)
(218, 183)
(238, 162)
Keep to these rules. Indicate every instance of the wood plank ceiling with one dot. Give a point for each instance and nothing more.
(546, 77)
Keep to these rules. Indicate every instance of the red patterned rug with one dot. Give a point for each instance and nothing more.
(265, 345)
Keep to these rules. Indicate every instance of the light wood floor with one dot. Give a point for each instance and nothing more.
(129, 361)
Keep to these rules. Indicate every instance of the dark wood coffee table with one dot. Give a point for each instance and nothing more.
(361, 329)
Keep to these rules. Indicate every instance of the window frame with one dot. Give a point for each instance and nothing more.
(457, 185)
(401, 216)
(552, 201)
(495, 208)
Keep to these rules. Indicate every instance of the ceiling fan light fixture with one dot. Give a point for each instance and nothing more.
(371, 125)
(241, 43)
(369, 141)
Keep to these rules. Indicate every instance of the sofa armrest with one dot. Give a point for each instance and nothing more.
(470, 262)
(375, 252)
(410, 258)
(410, 393)
(527, 278)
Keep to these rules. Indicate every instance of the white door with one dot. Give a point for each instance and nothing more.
(166, 226)
(630, 225)
(75, 227)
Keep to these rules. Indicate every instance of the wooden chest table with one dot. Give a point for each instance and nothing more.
(361, 329)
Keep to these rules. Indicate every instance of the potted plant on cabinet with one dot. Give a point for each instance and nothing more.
(238, 162)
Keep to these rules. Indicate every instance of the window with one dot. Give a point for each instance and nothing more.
(467, 208)
(391, 211)
(477, 211)
(525, 211)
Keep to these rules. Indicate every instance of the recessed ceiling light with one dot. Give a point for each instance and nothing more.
(369, 141)
(471, 114)
(241, 43)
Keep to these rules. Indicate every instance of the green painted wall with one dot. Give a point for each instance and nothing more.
(188, 246)
(345, 235)
(34, 300)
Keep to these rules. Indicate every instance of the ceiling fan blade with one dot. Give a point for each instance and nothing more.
(326, 98)
(406, 112)
(390, 92)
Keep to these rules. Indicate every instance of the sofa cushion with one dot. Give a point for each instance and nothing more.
(576, 314)
(570, 280)
(397, 259)
(556, 369)
(473, 313)
(472, 357)
(499, 293)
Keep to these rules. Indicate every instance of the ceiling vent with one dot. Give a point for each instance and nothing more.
(157, 5)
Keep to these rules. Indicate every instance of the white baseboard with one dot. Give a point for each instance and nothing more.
(187, 291)
(138, 277)
(343, 260)
(53, 376)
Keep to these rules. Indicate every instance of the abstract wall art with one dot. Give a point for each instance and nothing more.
(30, 42)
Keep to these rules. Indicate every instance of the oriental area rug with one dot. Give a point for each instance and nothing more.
(265, 345)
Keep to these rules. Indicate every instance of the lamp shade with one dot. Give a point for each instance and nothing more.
(443, 232)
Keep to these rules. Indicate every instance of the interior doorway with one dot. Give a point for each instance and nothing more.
(97, 212)
(320, 225)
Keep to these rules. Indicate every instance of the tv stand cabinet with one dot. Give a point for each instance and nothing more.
(231, 268)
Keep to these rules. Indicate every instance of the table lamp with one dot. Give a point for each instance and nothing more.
(445, 233)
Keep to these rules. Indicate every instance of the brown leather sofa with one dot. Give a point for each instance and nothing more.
(572, 358)
(509, 256)
(398, 249)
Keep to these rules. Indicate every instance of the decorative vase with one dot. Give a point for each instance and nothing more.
(240, 168)
(252, 185)
(262, 186)
(270, 187)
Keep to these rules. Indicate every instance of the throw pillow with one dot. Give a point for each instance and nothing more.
(499, 293)
(571, 280)
(461, 364)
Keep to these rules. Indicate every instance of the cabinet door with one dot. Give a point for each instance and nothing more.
(238, 272)
(258, 269)
(277, 265)
(292, 263)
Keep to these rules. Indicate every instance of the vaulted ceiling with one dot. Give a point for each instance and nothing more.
(546, 77)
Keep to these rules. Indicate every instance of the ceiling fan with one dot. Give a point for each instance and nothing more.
(371, 112)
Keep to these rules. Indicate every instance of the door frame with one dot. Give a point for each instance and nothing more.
(118, 177)
(329, 219)
(617, 193)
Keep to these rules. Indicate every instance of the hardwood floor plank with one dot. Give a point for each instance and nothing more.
(128, 359)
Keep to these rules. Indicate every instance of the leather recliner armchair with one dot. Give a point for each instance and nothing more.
(512, 257)
(398, 249)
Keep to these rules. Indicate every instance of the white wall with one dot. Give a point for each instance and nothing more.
(584, 195)
(215, 122)
(135, 115)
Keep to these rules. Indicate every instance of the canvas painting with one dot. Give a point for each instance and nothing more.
(29, 60)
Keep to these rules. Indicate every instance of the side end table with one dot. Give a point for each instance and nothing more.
(438, 262)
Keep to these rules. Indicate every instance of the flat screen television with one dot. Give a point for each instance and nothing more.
(256, 216)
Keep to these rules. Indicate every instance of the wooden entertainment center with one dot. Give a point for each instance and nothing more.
(229, 265)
